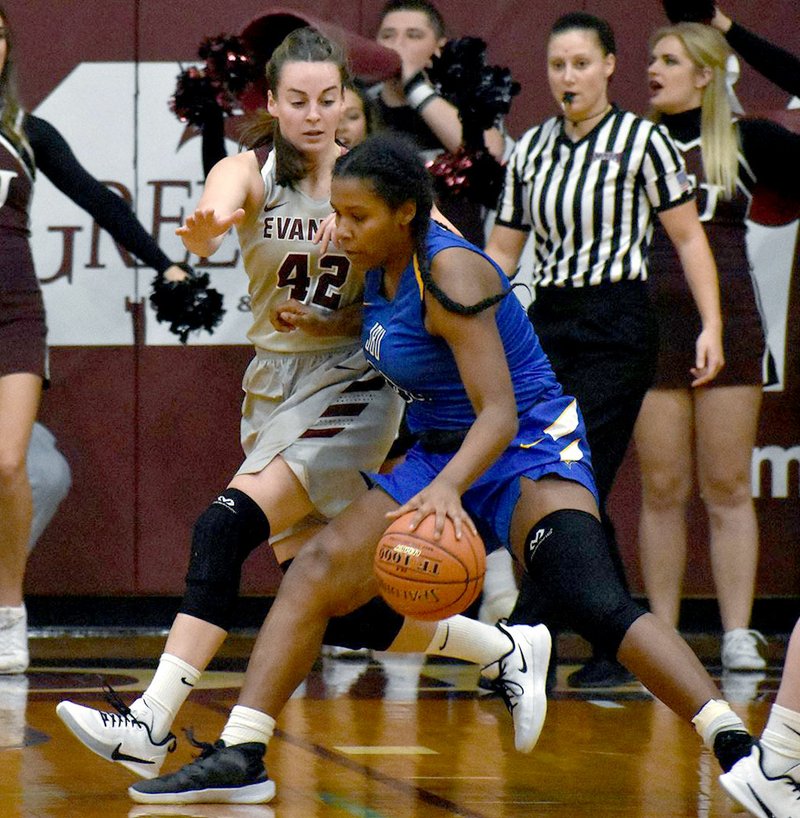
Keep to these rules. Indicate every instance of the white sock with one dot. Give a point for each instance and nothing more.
(171, 685)
(245, 725)
(499, 577)
(461, 638)
(781, 741)
(714, 717)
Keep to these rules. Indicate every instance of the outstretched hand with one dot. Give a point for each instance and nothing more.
(204, 229)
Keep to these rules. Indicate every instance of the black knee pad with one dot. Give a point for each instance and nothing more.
(223, 537)
(570, 567)
(374, 625)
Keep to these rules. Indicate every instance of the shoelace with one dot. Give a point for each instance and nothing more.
(126, 717)
(507, 690)
(205, 747)
(123, 717)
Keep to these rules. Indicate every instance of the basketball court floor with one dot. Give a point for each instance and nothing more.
(374, 736)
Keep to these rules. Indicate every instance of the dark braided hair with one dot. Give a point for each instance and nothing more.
(391, 165)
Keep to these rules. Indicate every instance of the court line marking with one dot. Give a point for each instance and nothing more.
(342, 760)
(339, 803)
(384, 750)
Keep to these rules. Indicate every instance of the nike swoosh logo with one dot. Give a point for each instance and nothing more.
(524, 666)
(531, 445)
(763, 806)
(185, 681)
(274, 207)
(116, 755)
(446, 637)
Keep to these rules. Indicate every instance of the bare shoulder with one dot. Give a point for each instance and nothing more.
(465, 275)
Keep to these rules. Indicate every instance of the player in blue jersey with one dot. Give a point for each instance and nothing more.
(501, 450)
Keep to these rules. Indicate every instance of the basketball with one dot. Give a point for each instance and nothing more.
(426, 578)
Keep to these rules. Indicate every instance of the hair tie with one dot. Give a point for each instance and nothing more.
(731, 78)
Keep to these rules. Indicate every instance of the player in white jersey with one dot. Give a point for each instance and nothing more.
(314, 414)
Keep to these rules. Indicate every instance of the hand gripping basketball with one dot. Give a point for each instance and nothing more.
(425, 578)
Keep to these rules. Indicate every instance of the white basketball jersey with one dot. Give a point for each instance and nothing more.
(282, 262)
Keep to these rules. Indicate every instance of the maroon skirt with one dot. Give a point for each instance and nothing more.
(23, 333)
(679, 325)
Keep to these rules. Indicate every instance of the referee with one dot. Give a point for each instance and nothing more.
(587, 184)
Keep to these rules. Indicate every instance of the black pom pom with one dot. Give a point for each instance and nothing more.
(229, 69)
(187, 305)
(689, 11)
(481, 93)
(195, 94)
(228, 62)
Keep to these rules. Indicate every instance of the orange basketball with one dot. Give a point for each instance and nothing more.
(425, 578)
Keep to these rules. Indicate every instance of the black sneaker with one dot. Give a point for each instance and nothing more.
(600, 672)
(220, 775)
(731, 746)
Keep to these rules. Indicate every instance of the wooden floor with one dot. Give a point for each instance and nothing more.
(375, 737)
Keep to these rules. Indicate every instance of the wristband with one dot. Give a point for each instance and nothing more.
(418, 91)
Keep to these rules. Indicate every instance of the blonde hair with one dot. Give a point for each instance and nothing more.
(719, 138)
(11, 112)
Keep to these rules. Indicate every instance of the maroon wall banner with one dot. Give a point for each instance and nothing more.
(150, 427)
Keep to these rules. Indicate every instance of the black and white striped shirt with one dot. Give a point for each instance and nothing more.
(590, 203)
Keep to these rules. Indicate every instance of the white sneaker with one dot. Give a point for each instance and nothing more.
(119, 736)
(521, 681)
(760, 794)
(740, 650)
(14, 656)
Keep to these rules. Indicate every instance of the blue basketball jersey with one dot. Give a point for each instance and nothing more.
(422, 367)
(551, 438)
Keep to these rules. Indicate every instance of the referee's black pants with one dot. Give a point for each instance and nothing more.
(602, 343)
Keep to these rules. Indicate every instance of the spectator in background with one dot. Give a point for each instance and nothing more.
(591, 308)
(679, 426)
(357, 115)
(29, 145)
(409, 104)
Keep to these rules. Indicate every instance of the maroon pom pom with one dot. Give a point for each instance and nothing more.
(474, 173)
(228, 70)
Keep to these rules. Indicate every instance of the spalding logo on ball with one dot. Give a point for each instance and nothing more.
(426, 578)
